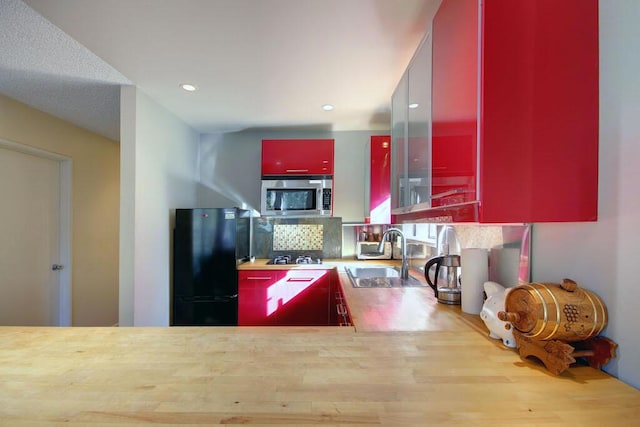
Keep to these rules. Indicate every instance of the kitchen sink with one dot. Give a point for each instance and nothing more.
(369, 272)
(379, 277)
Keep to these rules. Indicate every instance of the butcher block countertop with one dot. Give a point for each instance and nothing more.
(435, 366)
(388, 309)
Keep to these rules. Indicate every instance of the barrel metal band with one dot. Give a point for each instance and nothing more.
(595, 317)
(545, 314)
(558, 319)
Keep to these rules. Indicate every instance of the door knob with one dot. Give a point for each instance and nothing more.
(55, 267)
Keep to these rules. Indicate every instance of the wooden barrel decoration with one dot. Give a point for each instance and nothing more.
(545, 311)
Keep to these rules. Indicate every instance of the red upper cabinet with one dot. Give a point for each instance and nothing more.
(297, 156)
(380, 180)
(514, 113)
(546, 153)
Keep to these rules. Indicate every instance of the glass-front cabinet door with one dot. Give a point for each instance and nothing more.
(399, 116)
(455, 103)
(419, 127)
(411, 134)
(435, 121)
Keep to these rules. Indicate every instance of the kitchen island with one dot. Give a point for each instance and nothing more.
(437, 368)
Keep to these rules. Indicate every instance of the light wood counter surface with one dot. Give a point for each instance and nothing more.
(447, 373)
(299, 376)
(388, 309)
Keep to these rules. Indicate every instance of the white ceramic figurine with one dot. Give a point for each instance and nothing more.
(494, 303)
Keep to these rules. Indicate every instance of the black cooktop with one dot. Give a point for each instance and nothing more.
(297, 259)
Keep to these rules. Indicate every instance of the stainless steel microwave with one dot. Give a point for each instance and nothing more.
(308, 195)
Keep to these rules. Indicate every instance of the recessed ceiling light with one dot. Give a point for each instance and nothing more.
(327, 107)
(414, 105)
(188, 87)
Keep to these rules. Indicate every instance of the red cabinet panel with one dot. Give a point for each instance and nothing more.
(255, 306)
(297, 156)
(283, 297)
(549, 150)
(454, 176)
(303, 298)
(534, 155)
(380, 180)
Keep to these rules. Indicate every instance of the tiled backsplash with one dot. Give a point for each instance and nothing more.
(317, 237)
(297, 237)
(321, 237)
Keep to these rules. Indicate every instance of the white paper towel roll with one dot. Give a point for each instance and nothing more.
(504, 264)
(475, 271)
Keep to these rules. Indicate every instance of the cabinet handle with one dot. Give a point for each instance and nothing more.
(300, 279)
(296, 170)
(259, 278)
(342, 311)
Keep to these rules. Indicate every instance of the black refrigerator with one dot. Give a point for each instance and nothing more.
(208, 245)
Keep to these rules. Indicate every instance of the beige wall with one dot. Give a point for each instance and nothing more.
(95, 205)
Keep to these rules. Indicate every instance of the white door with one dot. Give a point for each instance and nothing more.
(29, 240)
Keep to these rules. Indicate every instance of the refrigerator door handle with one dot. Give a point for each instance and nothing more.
(225, 298)
(222, 298)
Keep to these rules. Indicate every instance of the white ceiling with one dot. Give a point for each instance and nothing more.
(257, 63)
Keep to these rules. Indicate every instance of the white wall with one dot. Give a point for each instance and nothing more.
(603, 256)
(230, 169)
(159, 172)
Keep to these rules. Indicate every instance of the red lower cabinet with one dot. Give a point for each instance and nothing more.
(284, 297)
(253, 302)
(303, 298)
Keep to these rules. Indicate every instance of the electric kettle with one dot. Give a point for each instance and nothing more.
(447, 285)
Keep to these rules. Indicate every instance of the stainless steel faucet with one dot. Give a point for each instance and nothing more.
(404, 270)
